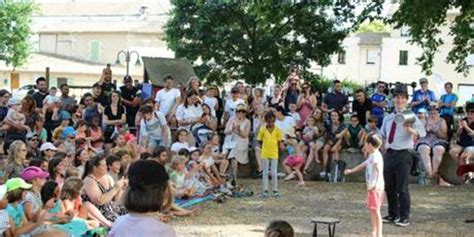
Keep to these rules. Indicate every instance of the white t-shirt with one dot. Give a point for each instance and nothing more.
(296, 116)
(211, 101)
(191, 112)
(166, 99)
(4, 221)
(372, 177)
(177, 146)
(230, 106)
(286, 126)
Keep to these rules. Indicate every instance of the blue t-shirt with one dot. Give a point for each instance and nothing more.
(448, 99)
(419, 95)
(377, 98)
(16, 213)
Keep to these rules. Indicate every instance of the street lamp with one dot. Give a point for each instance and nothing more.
(128, 55)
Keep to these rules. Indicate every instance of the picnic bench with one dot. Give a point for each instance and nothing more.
(331, 222)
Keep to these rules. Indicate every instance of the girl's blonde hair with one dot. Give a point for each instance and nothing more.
(176, 161)
(13, 152)
(71, 188)
(311, 117)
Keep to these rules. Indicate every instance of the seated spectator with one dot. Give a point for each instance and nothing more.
(18, 222)
(38, 128)
(219, 155)
(32, 142)
(209, 164)
(114, 165)
(463, 151)
(125, 162)
(293, 113)
(65, 118)
(181, 141)
(121, 144)
(57, 169)
(32, 203)
(144, 200)
(371, 127)
(101, 190)
(113, 118)
(310, 131)
(95, 133)
(72, 203)
(16, 159)
(180, 178)
(279, 229)
(48, 150)
(319, 139)
(294, 161)
(334, 137)
(433, 146)
(354, 135)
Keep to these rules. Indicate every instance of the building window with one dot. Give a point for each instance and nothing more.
(94, 51)
(341, 57)
(470, 60)
(405, 31)
(403, 59)
(394, 1)
(371, 56)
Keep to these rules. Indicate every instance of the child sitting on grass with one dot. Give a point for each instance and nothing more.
(180, 178)
(374, 179)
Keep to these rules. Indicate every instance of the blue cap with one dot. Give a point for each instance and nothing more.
(64, 115)
(422, 111)
(68, 131)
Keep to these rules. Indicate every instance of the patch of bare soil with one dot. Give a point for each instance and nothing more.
(436, 211)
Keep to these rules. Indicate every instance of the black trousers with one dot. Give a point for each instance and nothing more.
(397, 167)
(450, 123)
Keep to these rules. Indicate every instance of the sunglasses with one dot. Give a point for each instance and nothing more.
(34, 140)
(293, 84)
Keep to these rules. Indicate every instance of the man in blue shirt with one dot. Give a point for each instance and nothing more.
(379, 103)
(423, 97)
(447, 103)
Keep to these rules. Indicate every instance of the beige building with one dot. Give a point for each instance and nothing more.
(77, 38)
(370, 57)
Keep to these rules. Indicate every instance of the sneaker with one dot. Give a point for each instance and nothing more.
(276, 194)
(260, 173)
(403, 222)
(281, 175)
(264, 194)
(322, 174)
(233, 183)
(290, 176)
(390, 219)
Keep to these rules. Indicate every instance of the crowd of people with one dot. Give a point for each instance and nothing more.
(112, 159)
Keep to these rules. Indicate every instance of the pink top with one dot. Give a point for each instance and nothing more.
(143, 226)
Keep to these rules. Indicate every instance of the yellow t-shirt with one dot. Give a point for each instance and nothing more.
(269, 142)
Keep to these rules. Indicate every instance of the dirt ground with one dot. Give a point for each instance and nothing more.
(436, 211)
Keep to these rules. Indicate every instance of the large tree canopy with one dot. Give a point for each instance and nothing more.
(425, 17)
(15, 19)
(256, 40)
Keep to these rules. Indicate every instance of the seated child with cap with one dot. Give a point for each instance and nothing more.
(32, 203)
(17, 219)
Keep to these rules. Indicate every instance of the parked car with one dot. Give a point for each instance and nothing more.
(21, 92)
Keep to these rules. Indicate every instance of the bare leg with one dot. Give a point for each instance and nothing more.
(335, 150)
(326, 150)
(223, 166)
(94, 213)
(438, 152)
(299, 175)
(424, 151)
(235, 167)
(376, 219)
(258, 157)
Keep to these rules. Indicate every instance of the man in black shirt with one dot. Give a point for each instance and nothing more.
(362, 107)
(131, 99)
(105, 82)
(41, 94)
(335, 100)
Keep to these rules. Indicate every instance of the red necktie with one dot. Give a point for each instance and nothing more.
(391, 135)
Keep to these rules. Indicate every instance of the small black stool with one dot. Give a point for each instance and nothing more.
(331, 222)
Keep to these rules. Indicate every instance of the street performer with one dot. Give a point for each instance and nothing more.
(398, 159)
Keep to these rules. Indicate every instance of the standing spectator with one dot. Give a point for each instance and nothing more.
(463, 151)
(189, 113)
(231, 104)
(99, 95)
(336, 100)
(67, 102)
(41, 94)
(422, 98)
(258, 99)
(168, 98)
(194, 84)
(447, 103)
(92, 109)
(433, 146)
(398, 159)
(379, 103)
(306, 103)
(131, 100)
(144, 200)
(292, 91)
(114, 118)
(4, 97)
(285, 123)
(362, 107)
(275, 100)
(248, 95)
(237, 130)
(211, 100)
(105, 82)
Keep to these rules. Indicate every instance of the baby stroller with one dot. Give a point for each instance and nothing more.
(202, 134)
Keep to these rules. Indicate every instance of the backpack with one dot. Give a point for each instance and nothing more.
(337, 171)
